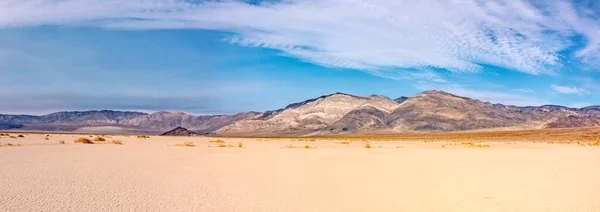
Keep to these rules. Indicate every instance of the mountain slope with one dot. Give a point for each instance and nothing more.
(310, 116)
(441, 111)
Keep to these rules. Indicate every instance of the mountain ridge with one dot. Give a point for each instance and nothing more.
(337, 113)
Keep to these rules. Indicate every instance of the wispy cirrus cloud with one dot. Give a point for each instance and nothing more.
(567, 89)
(370, 35)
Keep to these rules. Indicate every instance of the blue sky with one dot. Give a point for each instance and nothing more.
(223, 57)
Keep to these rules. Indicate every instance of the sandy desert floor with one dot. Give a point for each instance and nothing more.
(162, 174)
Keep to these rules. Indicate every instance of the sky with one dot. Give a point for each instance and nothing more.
(228, 56)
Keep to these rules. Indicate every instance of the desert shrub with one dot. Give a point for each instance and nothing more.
(307, 139)
(219, 141)
(61, 142)
(368, 146)
(482, 146)
(597, 143)
(84, 141)
(143, 136)
(99, 139)
(309, 147)
(189, 144)
(21, 136)
(12, 136)
(222, 145)
(240, 145)
(117, 142)
(344, 142)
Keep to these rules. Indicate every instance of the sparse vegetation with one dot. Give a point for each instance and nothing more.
(290, 146)
(189, 144)
(61, 142)
(483, 146)
(240, 145)
(368, 146)
(83, 141)
(118, 142)
(143, 136)
(99, 139)
(219, 141)
(21, 136)
(594, 143)
(307, 139)
(344, 142)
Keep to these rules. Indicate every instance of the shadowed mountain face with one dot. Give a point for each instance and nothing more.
(337, 113)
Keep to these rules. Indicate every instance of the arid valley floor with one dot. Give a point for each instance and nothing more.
(545, 170)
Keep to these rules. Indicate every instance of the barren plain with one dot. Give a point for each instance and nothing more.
(537, 170)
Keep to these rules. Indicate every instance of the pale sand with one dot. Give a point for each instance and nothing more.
(154, 175)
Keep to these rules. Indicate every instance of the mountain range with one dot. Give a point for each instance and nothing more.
(338, 113)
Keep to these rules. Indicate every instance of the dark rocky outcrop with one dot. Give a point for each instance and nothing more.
(179, 131)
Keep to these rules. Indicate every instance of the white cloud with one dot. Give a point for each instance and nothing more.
(567, 89)
(371, 35)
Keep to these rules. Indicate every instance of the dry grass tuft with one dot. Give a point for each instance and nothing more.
(290, 146)
(99, 139)
(596, 143)
(470, 144)
(188, 144)
(117, 142)
(219, 141)
(483, 146)
(61, 142)
(240, 145)
(307, 139)
(84, 141)
(368, 146)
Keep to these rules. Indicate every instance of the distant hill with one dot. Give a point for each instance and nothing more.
(179, 131)
(338, 113)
